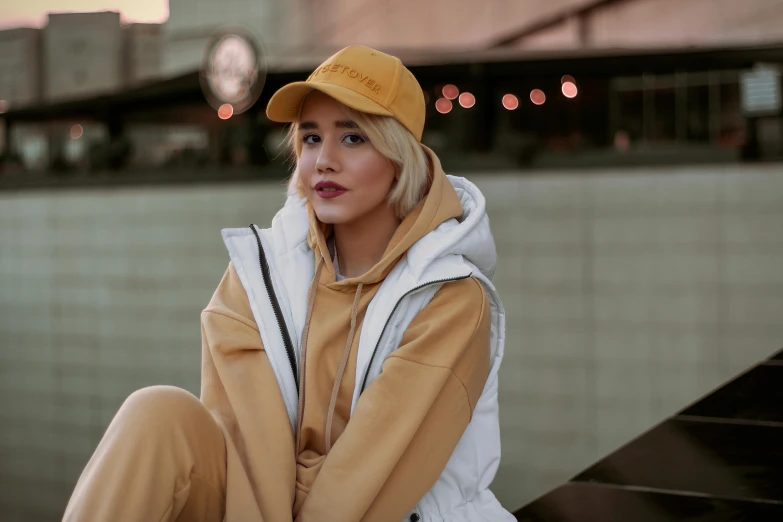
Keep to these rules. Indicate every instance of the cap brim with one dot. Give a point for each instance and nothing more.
(285, 104)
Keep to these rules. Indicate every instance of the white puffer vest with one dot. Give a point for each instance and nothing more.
(281, 258)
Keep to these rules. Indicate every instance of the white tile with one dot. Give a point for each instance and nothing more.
(544, 308)
(551, 231)
(636, 270)
(753, 309)
(501, 192)
(691, 348)
(631, 309)
(623, 230)
(752, 268)
(684, 308)
(680, 268)
(511, 484)
(622, 346)
(623, 383)
(551, 269)
(29, 378)
(563, 194)
(741, 349)
(749, 230)
(653, 191)
(666, 268)
(82, 384)
(700, 230)
(553, 342)
(760, 185)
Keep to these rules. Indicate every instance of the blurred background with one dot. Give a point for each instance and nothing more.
(631, 153)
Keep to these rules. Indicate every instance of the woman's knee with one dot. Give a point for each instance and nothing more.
(162, 406)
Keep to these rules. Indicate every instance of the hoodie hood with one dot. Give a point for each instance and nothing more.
(452, 212)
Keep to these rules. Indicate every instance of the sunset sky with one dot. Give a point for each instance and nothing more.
(32, 13)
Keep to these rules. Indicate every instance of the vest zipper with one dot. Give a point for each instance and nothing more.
(406, 294)
(270, 291)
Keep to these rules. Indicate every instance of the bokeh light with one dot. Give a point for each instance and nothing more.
(567, 78)
(443, 105)
(622, 141)
(76, 132)
(510, 102)
(450, 92)
(569, 90)
(537, 96)
(467, 100)
(225, 111)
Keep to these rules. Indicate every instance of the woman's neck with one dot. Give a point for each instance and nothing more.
(361, 244)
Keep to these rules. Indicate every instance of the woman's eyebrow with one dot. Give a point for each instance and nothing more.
(306, 125)
(346, 124)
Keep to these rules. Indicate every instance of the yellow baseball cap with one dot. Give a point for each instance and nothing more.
(363, 79)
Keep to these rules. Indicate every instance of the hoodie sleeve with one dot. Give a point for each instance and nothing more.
(239, 388)
(227, 314)
(409, 420)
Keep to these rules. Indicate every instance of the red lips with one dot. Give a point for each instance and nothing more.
(329, 189)
(328, 185)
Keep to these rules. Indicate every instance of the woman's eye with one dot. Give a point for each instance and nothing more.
(310, 139)
(353, 139)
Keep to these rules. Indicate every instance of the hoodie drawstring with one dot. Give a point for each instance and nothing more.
(341, 369)
(303, 356)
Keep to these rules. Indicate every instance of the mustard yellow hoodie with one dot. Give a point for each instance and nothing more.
(374, 464)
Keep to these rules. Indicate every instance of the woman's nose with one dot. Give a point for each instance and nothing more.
(328, 160)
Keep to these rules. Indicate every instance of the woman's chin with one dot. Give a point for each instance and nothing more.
(332, 216)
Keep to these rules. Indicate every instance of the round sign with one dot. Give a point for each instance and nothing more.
(233, 70)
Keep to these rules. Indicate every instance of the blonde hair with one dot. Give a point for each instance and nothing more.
(393, 141)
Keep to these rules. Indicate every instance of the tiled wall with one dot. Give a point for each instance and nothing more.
(629, 294)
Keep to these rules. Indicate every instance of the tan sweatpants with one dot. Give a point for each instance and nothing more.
(163, 458)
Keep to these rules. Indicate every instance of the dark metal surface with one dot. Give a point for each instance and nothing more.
(719, 460)
(598, 503)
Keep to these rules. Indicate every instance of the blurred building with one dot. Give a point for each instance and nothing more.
(75, 56)
(82, 55)
(565, 83)
(20, 67)
(284, 28)
(301, 28)
(555, 24)
(20, 72)
(144, 52)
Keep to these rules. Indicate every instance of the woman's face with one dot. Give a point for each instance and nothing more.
(343, 176)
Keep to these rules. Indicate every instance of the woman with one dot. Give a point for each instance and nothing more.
(351, 351)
